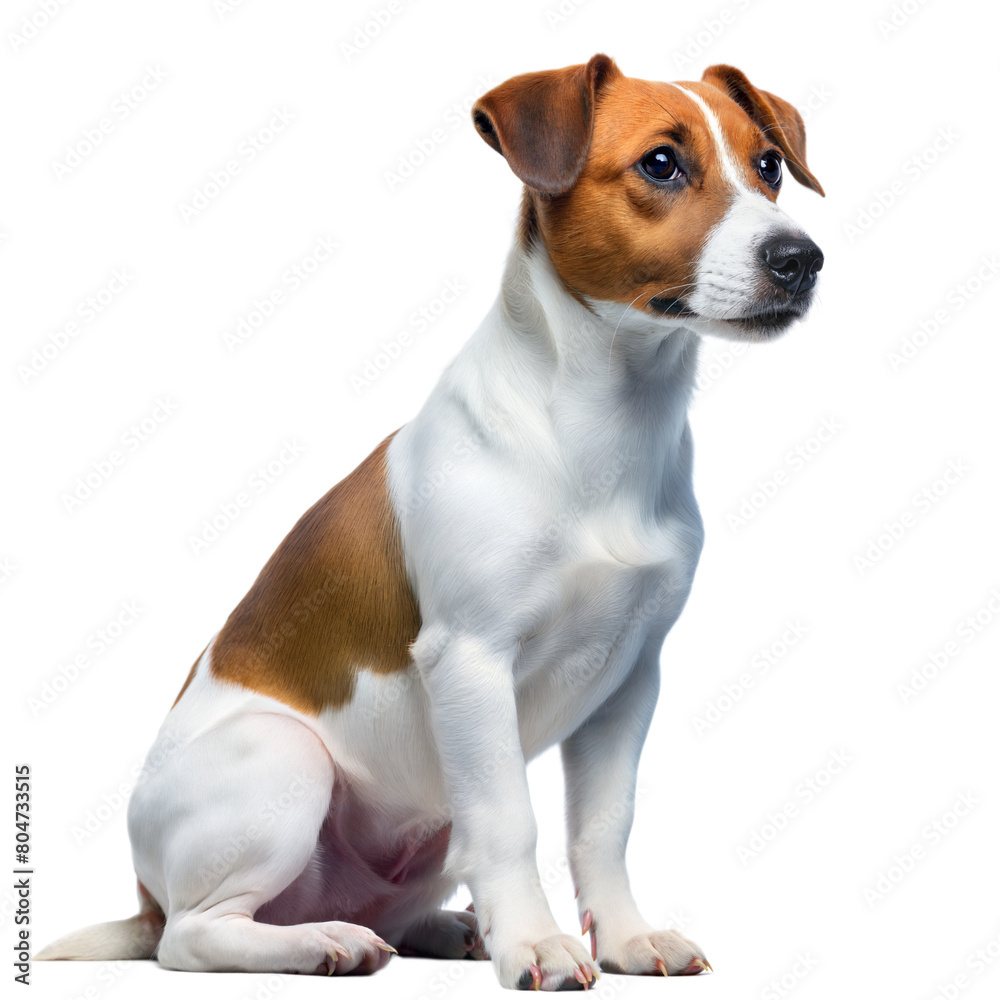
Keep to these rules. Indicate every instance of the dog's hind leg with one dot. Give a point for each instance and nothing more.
(224, 824)
(444, 934)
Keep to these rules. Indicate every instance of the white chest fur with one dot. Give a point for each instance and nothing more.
(544, 495)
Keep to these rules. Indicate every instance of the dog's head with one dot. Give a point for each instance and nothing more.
(661, 196)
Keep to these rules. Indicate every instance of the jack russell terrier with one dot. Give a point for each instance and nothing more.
(496, 577)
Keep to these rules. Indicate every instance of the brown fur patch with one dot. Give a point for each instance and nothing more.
(617, 236)
(542, 122)
(332, 600)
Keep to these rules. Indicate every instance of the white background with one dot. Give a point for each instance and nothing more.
(877, 97)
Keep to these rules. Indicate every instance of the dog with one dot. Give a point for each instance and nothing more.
(497, 577)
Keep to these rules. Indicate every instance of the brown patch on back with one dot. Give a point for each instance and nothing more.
(332, 600)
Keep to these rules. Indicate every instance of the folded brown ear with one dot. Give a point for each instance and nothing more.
(542, 123)
(780, 121)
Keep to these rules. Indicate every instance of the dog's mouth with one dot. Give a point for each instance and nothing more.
(769, 321)
(666, 306)
(765, 321)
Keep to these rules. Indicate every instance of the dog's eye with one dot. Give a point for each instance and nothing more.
(769, 169)
(661, 165)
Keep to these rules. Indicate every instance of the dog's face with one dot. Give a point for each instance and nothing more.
(662, 196)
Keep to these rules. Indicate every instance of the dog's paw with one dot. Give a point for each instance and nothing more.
(350, 948)
(558, 962)
(655, 953)
(443, 934)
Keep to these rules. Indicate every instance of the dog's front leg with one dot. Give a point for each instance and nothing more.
(493, 836)
(600, 761)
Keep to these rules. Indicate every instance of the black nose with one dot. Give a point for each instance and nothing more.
(792, 263)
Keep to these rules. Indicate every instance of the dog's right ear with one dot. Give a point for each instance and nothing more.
(542, 123)
(778, 119)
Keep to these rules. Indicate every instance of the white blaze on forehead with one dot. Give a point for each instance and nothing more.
(727, 162)
(728, 278)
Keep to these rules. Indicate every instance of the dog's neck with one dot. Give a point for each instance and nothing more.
(603, 348)
(608, 384)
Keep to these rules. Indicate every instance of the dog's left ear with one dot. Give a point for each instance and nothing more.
(542, 123)
(779, 121)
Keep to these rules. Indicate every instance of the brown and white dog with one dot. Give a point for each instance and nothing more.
(496, 577)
